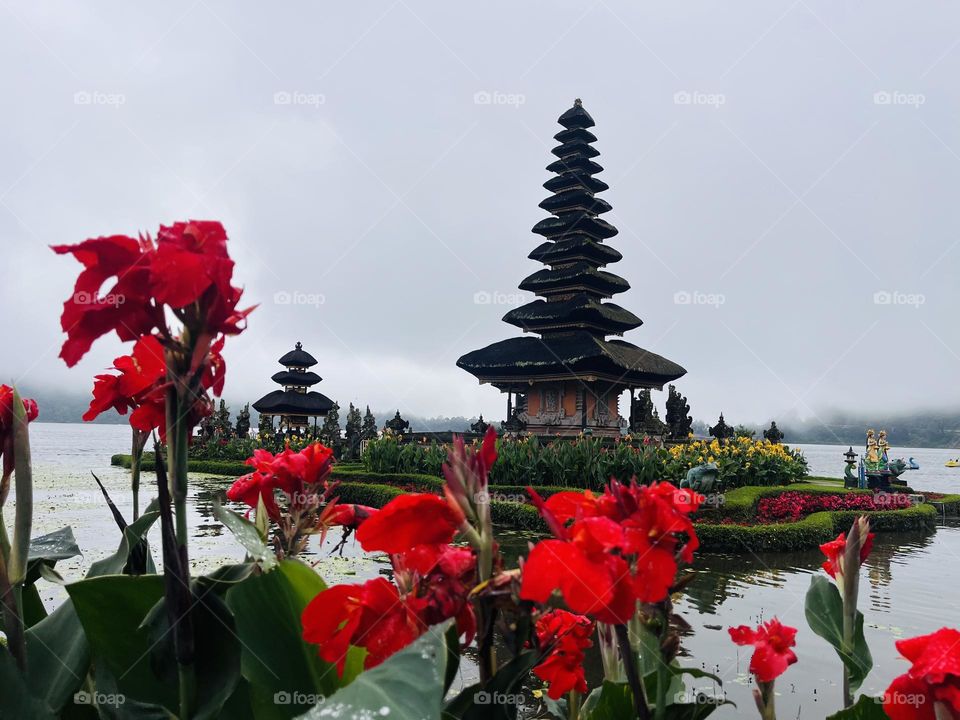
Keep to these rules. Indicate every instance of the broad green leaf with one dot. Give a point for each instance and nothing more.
(111, 609)
(501, 698)
(407, 686)
(58, 545)
(246, 534)
(610, 701)
(129, 709)
(824, 612)
(275, 659)
(15, 699)
(217, 661)
(58, 656)
(121, 560)
(865, 708)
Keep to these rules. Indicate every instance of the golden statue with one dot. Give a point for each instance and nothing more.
(872, 458)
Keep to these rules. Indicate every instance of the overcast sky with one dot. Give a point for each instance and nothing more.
(784, 176)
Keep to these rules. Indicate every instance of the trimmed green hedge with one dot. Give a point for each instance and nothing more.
(226, 468)
(811, 531)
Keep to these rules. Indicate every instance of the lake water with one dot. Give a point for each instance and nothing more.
(908, 587)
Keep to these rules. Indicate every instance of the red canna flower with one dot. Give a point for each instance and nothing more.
(564, 636)
(347, 515)
(188, 270)
(407, 521)
(126, 309)
(772, 642)
(299, 475)
(932, 683)
(836, 549)
(6, 434)
(433, 583)
(249, 488)
(371, 616)
(612, 550)
(140, 386)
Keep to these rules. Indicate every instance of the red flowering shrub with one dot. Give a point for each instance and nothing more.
(793, 505)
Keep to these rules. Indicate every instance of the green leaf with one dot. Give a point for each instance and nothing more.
(58, 656)
(407, 686)
(47, 549)
(16, 700)
(500, 698)
(111, 609)
(217, 659)
(824, 612)
(246, 534)
(610, 701)
(452, 639)
(121, 561)
(866, 708)
(275, 659)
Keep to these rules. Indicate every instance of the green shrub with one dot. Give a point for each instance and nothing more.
(225, 468)
(591, 462)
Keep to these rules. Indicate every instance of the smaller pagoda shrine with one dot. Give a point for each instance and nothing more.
(295, 404)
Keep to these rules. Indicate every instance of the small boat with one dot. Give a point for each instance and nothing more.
(913, 464)
(952, 463)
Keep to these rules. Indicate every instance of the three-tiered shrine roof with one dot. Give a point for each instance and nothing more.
(295, 399)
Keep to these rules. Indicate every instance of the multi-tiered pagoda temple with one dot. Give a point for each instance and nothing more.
(569, 379)
(296, 403)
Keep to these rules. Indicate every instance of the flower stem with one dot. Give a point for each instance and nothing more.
(139, 441)
(573, 705)
(178, 592)
(13, 620)
(633, 673)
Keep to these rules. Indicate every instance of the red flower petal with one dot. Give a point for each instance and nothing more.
(407, 521)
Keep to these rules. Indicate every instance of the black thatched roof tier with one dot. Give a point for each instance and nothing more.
(298, 357)
(290, 402)
(580, 148)
(575, 135)
(575, 199)
(573, 249)
(576, 117)
(575, 164)
(290, 377)
(578, 354)
(567, 181)
(578, 277)
(575, 223)
(580, 311)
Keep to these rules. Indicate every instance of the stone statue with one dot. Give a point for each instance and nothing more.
(773, 433)
(722, 431)
(397, 425)
(703, 479)
(243, 422)
(479, 427)
(678, 417)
